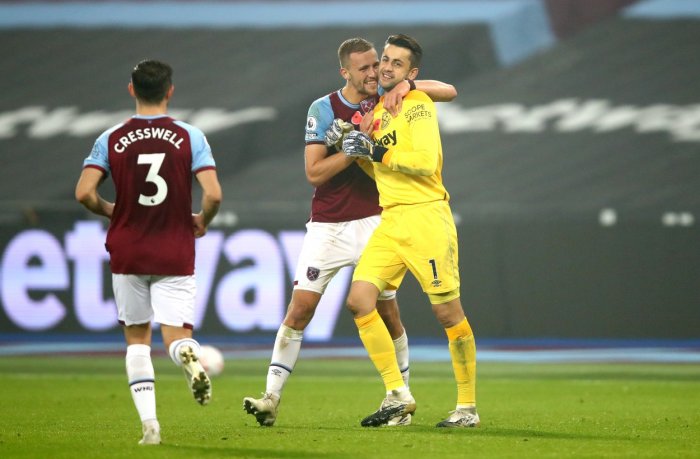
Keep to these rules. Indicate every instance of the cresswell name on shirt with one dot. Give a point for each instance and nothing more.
(145, 134)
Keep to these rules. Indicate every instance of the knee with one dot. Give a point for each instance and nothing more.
(449, 314)
(362, 298)
(353, 304)
(446, 319)
(358, 304)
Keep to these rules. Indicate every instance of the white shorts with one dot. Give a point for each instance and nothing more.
(168, 300)
(328, 247)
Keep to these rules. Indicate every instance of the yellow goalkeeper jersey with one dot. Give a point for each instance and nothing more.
(411, 169)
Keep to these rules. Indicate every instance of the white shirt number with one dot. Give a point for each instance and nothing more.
(156, 161)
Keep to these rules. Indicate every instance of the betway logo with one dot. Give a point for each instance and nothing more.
(681, 122)
(42, 122)
(387, 139)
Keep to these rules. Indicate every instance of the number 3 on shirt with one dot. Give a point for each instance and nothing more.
(156, 161)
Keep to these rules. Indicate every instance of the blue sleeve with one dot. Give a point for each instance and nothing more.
(318, 121)
(99, 156)
(201, 151)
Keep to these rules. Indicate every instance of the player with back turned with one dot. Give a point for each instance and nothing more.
(344, 213)
(151, 237)
(416, 233)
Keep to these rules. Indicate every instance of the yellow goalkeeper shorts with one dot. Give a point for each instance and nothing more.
(421, 238)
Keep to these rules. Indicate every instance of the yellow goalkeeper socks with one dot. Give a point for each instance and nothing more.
(380, 347)
(463, 353)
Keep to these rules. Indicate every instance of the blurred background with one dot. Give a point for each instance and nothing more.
(572, 155)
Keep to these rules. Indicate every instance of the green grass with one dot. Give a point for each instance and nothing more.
(72, 407)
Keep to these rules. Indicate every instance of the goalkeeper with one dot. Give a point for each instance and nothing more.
(416, 233)
(344, 213)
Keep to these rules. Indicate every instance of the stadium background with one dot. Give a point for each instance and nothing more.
(571, 154)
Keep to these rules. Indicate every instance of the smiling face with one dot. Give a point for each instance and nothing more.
(360, 72)
(395, 66)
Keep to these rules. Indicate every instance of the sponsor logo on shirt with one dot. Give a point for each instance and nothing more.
(416, 113)
(387, 139)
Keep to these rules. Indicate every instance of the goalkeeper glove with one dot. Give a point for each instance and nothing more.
(337, 132)
(357, 144)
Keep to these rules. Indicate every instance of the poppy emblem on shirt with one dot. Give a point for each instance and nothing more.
(312, 273)
(356, 118)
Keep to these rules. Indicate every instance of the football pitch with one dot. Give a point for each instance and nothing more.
(71, 407)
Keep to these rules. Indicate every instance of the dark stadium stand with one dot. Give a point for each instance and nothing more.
(75, 76)
(620, 68)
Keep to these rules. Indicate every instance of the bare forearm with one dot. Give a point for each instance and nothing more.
(210, 207)
(437, 90)
(323, 170)
(97, 205)
(211, 195)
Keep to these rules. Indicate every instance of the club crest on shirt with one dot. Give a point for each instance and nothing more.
(312, 273)
(386, 119)
(368, 104)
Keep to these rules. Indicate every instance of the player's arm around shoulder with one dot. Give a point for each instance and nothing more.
(436, 90)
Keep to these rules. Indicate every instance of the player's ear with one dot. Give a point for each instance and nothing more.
(344, 73)
(130, 87)
(170, 91)
(413, 73)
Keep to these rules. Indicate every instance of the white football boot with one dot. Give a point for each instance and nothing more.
(403, 420)
(393, 408)
(462, 417)
(151, 433)
(196, 376)
(264, 409)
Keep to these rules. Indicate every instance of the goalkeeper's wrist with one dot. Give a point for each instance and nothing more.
(411, 84)
(378, 153)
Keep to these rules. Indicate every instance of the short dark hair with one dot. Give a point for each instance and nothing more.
(152, 80)
(404, 41)
(352, 45)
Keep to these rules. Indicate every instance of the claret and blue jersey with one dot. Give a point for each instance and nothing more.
(151, 160)
(351, 194)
